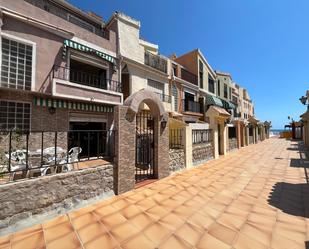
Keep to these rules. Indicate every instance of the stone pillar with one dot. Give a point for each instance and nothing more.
(247, 135)
(162, 155)
(124, 173)
(213, 125)
(224, 138)
(238, 132)
(188, 146)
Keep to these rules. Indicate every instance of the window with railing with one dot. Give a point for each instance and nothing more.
(156, 62)
(192, 106)
(188, 76)
(97, 80)
(201, 136)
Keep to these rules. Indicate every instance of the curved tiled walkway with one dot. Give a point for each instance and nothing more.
(254, 198)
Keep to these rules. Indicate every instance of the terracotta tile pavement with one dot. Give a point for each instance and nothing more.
(255, 198)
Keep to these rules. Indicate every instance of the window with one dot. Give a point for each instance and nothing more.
(16, 69)
(174, 70)
(225, 91)
(230, 92)
(201, 74)
(219, 88)
(175, 94)
(211, 85)
(14, 115)
(155, 86)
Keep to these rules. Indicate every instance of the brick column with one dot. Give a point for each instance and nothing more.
(162, 153)
(188, 146)
(124, 173)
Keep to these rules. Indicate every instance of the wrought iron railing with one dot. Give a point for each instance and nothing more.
(201, 136)
(85, 78)
(165, 98)
(188, 76)
(191, 106)
(156, 62)
(176, 138)
(45, 152)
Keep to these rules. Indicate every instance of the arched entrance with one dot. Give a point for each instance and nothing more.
(145, 145)
(142, 144)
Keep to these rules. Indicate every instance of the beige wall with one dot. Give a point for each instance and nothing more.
(49, 44)
(31, 11)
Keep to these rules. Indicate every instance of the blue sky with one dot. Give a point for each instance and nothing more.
(262, 43)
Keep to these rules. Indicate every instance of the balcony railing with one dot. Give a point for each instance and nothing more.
(156, 62)
(164, 97)
(188, 76)
(201, 136)
(86, 79)
(191, 106)
(24, 154)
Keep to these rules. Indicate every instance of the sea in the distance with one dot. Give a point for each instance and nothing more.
(275, 132)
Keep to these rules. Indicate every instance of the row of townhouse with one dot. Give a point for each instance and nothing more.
(88, 89)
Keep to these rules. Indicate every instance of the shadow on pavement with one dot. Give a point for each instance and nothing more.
(291, 198)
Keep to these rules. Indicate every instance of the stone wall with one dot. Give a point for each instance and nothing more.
(232, 144)
(177, 160)
(202, 153)
(25, 199)
(250, 139)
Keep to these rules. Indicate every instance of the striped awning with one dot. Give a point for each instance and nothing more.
(57, 103)
(213, 100)
(83, 48)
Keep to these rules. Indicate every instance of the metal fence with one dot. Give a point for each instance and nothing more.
(38, 153)
(176, 138)
(201, 136)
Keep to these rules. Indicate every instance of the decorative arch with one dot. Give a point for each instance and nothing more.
(150, 99)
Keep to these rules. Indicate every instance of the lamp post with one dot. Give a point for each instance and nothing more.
(303, 100)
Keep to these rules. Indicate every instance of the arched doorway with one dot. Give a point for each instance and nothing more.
(142, 140)
(145, 145)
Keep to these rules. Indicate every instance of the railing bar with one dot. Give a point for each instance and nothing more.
(10, 150)
(27, 151)
(56, 148)
(88, 145)
(42, 143)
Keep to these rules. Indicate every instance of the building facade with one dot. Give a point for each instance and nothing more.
(59, 72)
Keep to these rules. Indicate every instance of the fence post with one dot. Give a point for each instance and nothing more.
(187, 131)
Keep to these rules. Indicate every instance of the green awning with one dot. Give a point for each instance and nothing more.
(228, 105)
(213, 100)
(83, 48)
(58, 103)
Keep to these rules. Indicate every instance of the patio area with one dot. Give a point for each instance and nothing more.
(257, 197)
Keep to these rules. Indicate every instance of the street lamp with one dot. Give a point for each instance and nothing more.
(303, 100)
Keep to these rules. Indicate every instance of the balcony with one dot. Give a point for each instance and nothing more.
(82, 85)
(156, 62)
(164, 98)
(166, 101)
(188, 76)
(191, 106)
